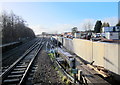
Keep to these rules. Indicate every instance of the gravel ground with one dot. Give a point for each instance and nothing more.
(45, 73)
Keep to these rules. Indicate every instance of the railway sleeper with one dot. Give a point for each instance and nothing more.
(17, 72)
(24, 66)
(33, 71)
(36, 65)
(31, 74)
(29, 57)
(34, 68)
(25, 60)
(15, 76)
(19, 69)
(30, 78)
(11, 81)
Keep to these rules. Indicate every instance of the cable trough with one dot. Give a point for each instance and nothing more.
(18, 71)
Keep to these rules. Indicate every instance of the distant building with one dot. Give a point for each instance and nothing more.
(77, 34)
(112, 32)
(68, 34)
(111, 29)
(81, 34)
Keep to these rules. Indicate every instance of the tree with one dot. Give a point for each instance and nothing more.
(114, 29)
(14, 28)
(105, 24)
(87, 26)
(118, 24)
(74, 30)
(98, 26)
(44, 33)
(108, 25)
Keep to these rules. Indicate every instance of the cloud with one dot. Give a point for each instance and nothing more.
(60, 28)
(38, 29)
(57, 28)
(84, 22)
(111, 20)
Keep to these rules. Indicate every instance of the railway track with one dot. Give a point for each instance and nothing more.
(11, 54)
(18, 71)
(15, 53)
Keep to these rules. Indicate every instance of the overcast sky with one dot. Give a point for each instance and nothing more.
(62, 16)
